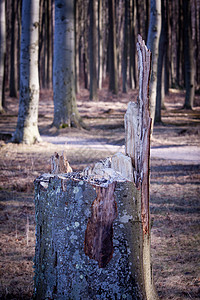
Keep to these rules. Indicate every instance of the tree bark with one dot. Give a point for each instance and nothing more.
(65, 107)
(160, 67)
(92, 227)
(100, 45)
(13, 52)
(153, 45)
(132, 49)
(113, 82)
(2, 50)
(27, 123)
(125, 50)
(92, 51)
(77, 46)
(188, 56)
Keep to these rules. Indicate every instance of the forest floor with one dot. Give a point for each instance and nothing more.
(174, 189)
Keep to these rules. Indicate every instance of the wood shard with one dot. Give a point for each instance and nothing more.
(60, 164)
(123, 164)
(99, 232)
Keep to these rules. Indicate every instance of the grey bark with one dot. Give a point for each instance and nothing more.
(132, 30)
(125, 50)
(93, 51)
(2, 50)
(13, 52)
(113, 82)
(76, 19)
(92, 227)
(100, 45)
(160, 67)
(65, 106)
(188, 56)
(27, 123)
(153, 45)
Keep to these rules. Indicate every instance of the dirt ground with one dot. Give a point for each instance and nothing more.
(174, 189)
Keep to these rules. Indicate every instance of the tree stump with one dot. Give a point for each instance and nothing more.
(92, 227)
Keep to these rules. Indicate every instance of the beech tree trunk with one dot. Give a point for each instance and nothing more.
(153, 45)
(65, 107)
(113, 82)
(2, 50)
(93, 50)
(100, 45)
(27, 123)
(92, 227)
(188, 56)
(13, 52)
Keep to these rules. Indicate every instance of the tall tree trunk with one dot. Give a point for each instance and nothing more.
(153, 45)
(85, 46)
(92, 50)
(2, 50)
(113, 82)
(76, 19)
(160, 67)
(125, 50)
(188, 56)
(100, 45)
(27, 124)
(13, 52)
(132, 49)
(167, 63)
(65, 107)
(49, 45)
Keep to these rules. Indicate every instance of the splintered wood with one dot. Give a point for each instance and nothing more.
(99, 232)
(60, 164)
(137, 131)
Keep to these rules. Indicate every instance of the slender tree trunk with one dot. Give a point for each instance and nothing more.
(167, 63)
(49, 45)
(113, 82)
(65, 107)
(100, 45)
(92, 50)
(125, 50)
(2, 50)
(85, 47)
(76, 19)
(13, 52)
(161, 55)
(188, 56)
(153, 45)
(27, 124)
(132, 30)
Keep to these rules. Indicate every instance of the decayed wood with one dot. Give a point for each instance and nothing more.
(99, 232)
(137, 131)
(60, 164)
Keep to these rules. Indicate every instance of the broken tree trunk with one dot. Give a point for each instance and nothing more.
(92, 227)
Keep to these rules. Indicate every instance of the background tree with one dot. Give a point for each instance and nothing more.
(93, 50)
(160, 68)
(152, 44)
(27, 123)
(2, 51)
(65, 107)
(100, 45)
(125, 50)
(113, 82)
(188, 55)
(13, 54)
